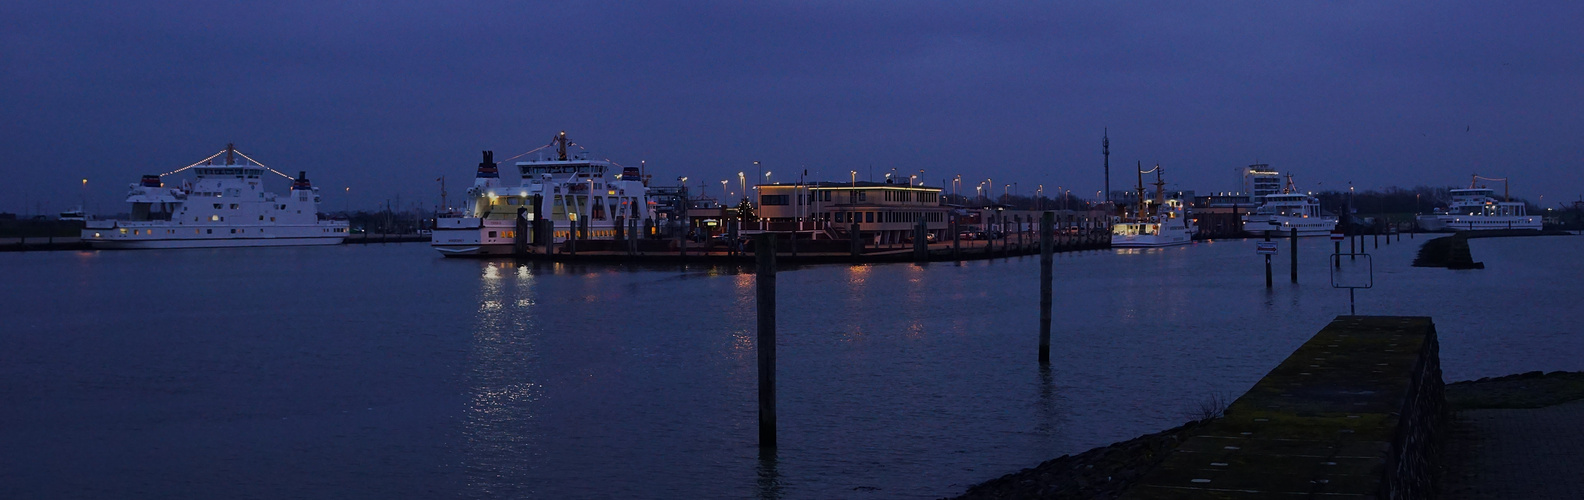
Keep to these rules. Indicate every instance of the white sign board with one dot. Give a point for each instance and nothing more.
(1352, 270)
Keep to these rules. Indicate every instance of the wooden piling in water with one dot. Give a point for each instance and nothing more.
(920, 243)
(765, 282)
(956, 235)
(854, 246)
(1294, 253)
(520, 233)
(1047, 247)
(1268, 284)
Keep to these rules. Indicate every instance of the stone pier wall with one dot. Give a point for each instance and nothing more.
(1353, 412)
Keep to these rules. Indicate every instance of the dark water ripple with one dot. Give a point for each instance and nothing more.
(375, 371)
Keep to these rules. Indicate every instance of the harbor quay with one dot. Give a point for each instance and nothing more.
(1357, 411)
(963, 237)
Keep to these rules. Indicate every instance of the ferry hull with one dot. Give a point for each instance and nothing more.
(150, 244)
(473, 237)
(1305, 228)
(120, 235)
(1150, 240)
(1477, 223)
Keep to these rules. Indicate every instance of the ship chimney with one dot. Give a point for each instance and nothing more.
(486, 168)
(301, 182)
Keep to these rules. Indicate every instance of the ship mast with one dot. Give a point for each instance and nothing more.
(1139, 167)
(560, 141)
(1160, 189)
(230, 154)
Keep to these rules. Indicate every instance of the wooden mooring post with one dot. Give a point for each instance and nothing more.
(1047, 244)
(1294, 252)
(920, 243)
(1267, 264)
(854, 244)
(765, 282)
(956, 233)
(520, 233)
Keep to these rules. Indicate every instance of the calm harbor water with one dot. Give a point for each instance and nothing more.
(373, 371)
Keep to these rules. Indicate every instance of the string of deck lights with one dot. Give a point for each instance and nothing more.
(211, 157)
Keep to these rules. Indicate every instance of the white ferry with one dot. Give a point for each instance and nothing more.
(1163, 223)
(1285, 211)
(224, 206)
(573, 191)
(1475, 209)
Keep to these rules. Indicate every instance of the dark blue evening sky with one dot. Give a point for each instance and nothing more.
(383, 97)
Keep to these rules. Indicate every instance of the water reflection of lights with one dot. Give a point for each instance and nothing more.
(742, 344)
(504, 391)
(857, 275)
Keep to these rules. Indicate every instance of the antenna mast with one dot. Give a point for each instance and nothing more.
(1105, 150)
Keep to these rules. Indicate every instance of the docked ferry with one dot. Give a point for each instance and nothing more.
(1288, 210)
(1476, 209)
(1163, 223)
(574, 193)
(225, 205)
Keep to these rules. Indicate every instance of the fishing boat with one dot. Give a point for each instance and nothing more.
(1476, 209)
(576, 197)
(1290, 209)
(225, 205)
(1161, 222)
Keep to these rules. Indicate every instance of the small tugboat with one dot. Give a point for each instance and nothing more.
(1160, 222)
(1475, 209)
(1288, 210)
(225, 206)
(573, 193)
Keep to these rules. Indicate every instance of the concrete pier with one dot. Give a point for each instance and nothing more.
(1351, 413)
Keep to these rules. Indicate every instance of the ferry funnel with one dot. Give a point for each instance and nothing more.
(486, 168)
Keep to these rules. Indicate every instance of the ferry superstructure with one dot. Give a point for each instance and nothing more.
(225, 205)
(1163, 223)
(572, 191)
(1476, 209)
(1282, 212)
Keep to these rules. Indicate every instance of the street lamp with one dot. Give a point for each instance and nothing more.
(724, 193)
(742, 184)
(1039, 197)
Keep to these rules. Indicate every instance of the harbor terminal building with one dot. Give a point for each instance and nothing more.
(884, 212)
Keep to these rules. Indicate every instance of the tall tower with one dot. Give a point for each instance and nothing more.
(1105, 149)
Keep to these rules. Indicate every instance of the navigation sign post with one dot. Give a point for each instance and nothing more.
(1358, 274)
